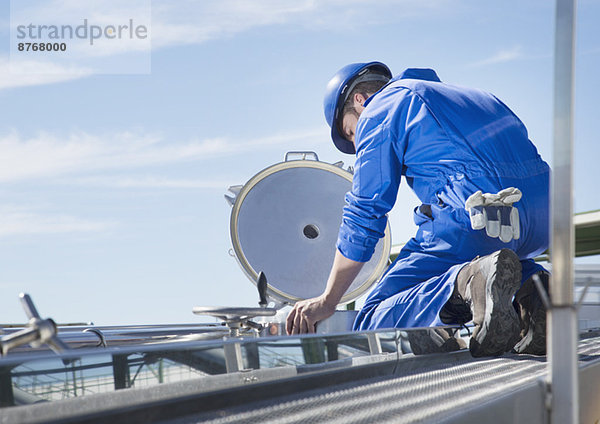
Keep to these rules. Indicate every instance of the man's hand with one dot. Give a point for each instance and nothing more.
(306, 313)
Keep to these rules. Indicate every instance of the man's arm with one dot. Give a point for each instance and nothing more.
(306, 313)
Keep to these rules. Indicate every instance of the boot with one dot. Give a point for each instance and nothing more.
(532, 312)
(434, 340)
(488, 285)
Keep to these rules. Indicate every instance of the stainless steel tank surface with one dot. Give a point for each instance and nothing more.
(285, 222)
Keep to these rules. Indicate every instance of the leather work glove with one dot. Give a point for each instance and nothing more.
(495, 213)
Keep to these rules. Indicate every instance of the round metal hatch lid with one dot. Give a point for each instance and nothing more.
(285, 222)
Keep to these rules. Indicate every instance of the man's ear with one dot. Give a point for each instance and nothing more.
(359, 99)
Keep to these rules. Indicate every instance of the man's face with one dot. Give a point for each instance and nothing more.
(349, 125)
(350, 119)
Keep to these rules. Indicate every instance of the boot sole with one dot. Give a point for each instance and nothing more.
(501, 327)
(534, 342)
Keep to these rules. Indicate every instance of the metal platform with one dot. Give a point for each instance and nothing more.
(351, 378)
(451, 388)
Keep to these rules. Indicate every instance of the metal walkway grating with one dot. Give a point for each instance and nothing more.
(441, 390)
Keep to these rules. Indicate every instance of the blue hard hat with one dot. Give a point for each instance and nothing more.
(337, 92)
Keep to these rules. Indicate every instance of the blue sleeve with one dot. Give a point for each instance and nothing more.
(382, 136)
(375, 184)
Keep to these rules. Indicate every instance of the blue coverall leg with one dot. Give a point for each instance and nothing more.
(418, 284)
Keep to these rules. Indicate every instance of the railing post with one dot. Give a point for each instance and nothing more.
(562, 316)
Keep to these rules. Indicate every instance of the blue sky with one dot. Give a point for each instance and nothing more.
(111, 186)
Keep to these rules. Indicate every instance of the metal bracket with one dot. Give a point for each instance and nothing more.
(101, 338)
(303, 156)
(588, 283)
(233, 357)
(374, 344)
(235, 190)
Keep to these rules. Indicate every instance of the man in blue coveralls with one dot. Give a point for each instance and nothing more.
(484, 213)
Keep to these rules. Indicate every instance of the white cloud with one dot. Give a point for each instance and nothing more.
(51, 155)
(192, 22)
(152, 182)
(20, 221)
(502, 56)
(22, 73)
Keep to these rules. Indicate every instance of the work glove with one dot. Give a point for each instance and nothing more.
(495, 213)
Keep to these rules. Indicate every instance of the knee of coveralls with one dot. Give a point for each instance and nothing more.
(417, 285)
(416, 306)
